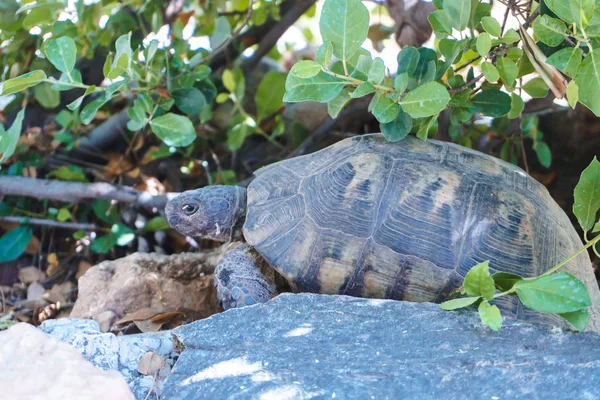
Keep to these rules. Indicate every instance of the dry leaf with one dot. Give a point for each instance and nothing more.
(35, 291)
(82, 269)
(150, 364)
(105, 320)
(117, 165)
(31, 274)
(53, 264)
(139, 315)
(33, 247)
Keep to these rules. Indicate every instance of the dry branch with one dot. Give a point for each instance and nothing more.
(76, 226)
(73, 192)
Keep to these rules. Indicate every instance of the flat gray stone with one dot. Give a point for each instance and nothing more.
(300, 346)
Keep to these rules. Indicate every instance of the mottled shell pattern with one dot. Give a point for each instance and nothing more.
(406, 220)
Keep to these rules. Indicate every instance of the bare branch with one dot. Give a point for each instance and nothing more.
(48, 222)
(271, 38)
(73, 192)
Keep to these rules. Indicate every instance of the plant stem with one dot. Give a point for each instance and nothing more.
(72, 84)
(357, 82)
(578, 252)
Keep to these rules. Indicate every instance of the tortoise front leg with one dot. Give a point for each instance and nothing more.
(239, 279)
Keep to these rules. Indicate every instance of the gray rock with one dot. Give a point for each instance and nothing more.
(110, 352)
(316, 346)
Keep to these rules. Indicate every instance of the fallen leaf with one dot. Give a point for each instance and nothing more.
(35, 291)
(105, 320)
(53, 264)
(30, 274)
(82, 268)
(150, 364)
(33, 247)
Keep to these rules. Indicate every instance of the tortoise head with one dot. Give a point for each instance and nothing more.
(213, 212)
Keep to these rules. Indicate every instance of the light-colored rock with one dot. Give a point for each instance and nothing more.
(181, 282)
(118, 353)
(34, 365)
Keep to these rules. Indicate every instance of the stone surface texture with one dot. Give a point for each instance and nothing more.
(180, 282)
(302, 346)
(118, 353)
(34, 365)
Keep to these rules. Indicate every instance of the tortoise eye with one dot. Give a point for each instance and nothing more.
(189, 209)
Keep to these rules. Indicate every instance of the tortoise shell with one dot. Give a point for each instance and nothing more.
(406, 220)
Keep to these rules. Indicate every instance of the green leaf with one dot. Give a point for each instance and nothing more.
(401, 82)
(582, 11)
(89, 111)
(572, 93)
(236, 136)
(63, 214)
(189, 100)
(551, 31)
(408, 59)
(122, 60)
(556, 293)
(484, 44)
(305, 69)
(426, 100)
(123, 234)
(269, 95)
(156, 224)
(459, 303)
(596, 227)
(459, 13)
(377, 71)
(508, 72)
(47, 97)
(362, 90)
(62, 53)
(505, 280)
(491, 26)
(22, 82)
(105, 211)
(561, 8)
(490, 72)
(478, 281)
(426, 67)
(536, 88)
(587, 196)
(324, 54)
(397, 129)
(439, 22)
(221, 33)
(511, 36)
(385, 109)
(10, 137)
(228, 80)
(335, 106)
(174, 130)
(75, 104)
(70, 173)
(490, 315)
(493, 103)
(588, 80)
(103, 244)
(344, 23)
(543, 153)
(427, 128)
(579, 319)
(13, 243)
(517, 105)
(567, 60)
(321, 87)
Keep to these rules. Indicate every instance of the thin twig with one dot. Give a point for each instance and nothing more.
(520, 133)
(76, 226)
(466, 85)
(74, 192)
(226, 43)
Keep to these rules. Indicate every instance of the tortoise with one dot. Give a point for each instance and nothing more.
(369, 218)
